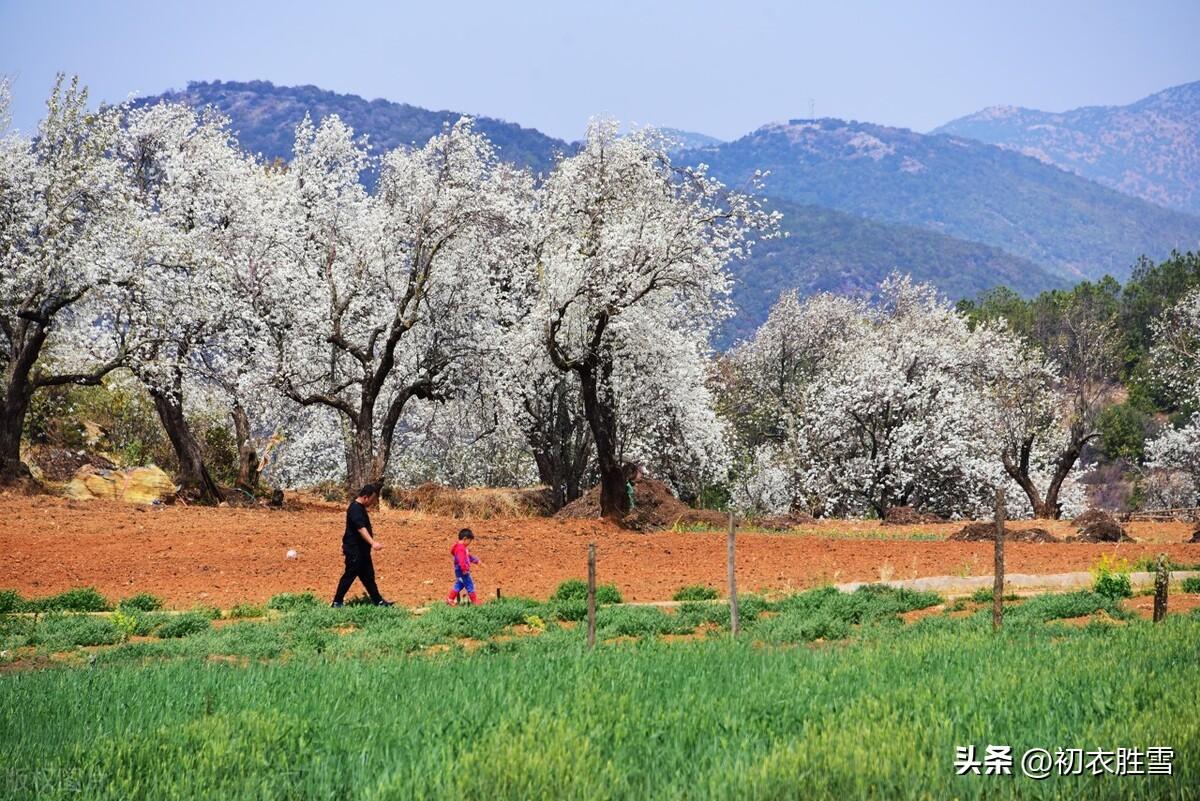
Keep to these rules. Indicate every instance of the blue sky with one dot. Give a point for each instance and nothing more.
(721, 68)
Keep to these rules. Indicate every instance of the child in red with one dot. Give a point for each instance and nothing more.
(462, 568)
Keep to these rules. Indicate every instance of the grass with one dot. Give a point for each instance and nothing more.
(1190, 584)
(716, 719)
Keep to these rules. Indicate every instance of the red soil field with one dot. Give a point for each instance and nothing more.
(190, 555)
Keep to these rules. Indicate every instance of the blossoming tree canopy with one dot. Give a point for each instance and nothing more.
(626, 234)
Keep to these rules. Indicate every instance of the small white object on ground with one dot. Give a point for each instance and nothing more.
(291, 554)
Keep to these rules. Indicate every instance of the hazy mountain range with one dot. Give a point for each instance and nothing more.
(1149, 149)
(858, 200)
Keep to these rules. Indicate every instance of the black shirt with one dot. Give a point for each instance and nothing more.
(356, 518)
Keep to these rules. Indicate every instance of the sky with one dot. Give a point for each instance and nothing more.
(720, 68)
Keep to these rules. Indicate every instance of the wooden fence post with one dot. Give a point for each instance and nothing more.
(1161, 578)
(998, 578)
(591, 641)
(735, 622)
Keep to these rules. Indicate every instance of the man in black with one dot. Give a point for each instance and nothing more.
(357, 544)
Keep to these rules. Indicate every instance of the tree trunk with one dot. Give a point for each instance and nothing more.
(13, 471)
(614, 502)
(193, 473)
(247, 478)
(561, 446)
(1018, 471)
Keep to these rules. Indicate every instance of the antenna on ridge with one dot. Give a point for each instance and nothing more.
(812, 109)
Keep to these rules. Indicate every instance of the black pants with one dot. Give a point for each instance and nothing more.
(358, 566)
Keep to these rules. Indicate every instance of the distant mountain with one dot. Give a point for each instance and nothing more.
(264, 117)
(959, 187)
(689, 140)
(830, 251)
(1149, 149)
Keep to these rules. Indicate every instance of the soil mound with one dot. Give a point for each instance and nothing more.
(1097, 526)
(476, 502)
(655, 507)
(908, 516)
(784, 522)
(986, 532)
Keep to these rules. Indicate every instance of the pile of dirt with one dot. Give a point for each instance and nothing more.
(1097, 526)
(784, 522)
(986, 532)
(61, 464)
(908, 516)
(145, 485)
(655, 507)
(475, 502)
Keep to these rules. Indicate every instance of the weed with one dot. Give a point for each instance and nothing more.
(695, 592)
(1111, 577)
(183, 625)
(1190, 584)
(576, 589)
(289, 601)
(142, 602)
(242, 611)
(81, 599)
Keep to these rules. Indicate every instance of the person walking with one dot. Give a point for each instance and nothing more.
(461, 554)
(358, 542)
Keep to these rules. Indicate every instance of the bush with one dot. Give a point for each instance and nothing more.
(131, 622)
(289, 601)
(82, 599)
(240, 611)
(695, 592)
(572, 610)
(576, 589)
(68, 631)
(1111, 578)
(183, 625)
(1191, 584)
(10, 601)
(142, 602)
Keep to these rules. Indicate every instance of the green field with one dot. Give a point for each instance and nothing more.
(823, 696)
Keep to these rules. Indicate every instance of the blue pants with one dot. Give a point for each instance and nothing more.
(463, 581)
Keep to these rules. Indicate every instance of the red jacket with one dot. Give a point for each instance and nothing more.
(462, 557)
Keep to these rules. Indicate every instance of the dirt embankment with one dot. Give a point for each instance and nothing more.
(222, 556)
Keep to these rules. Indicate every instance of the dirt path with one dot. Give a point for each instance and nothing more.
(223, 556)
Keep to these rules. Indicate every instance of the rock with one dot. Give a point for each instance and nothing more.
(144, 485)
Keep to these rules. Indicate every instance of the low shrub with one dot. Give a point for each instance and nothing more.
(1111, 578)
(576, 589)
(142, 602)
(80, 599)
(62, 631)
(572, 610)
(288, 601)
(135, 623)
(695, 592)
(1190, 584)
(242, 611)
(11, 601)
(183, 625)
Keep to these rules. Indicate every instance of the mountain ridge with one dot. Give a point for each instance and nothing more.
(956, 186)
(1149, 148)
